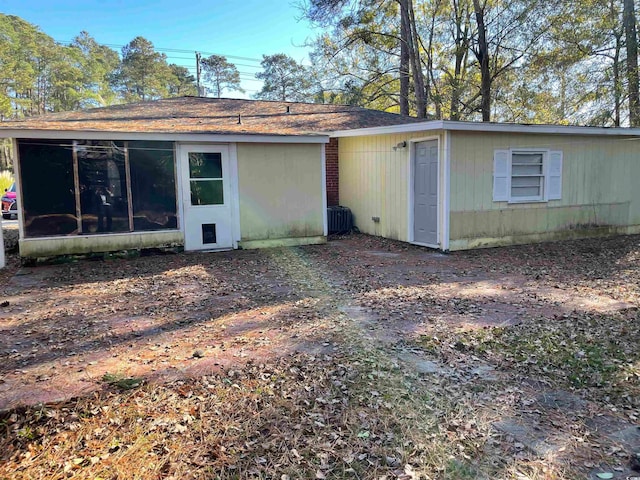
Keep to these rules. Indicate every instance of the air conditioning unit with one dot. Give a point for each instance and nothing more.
(340, 219)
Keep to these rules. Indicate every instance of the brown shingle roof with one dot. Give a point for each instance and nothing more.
(218, 116)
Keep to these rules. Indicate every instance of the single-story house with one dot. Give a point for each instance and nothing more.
(214, 174)
(202, 173)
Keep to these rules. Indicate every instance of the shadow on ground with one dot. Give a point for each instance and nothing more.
(460, 334)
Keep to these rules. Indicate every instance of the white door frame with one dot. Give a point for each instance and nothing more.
(411, 187)
(181, 147)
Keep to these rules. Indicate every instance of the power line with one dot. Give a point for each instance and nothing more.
(236, 64)
(178, 50)
(174, 50)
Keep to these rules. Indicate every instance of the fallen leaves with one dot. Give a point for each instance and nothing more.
(323, 362)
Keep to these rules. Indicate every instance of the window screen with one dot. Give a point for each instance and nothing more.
(48, 192)
(121, 186)
(153, 185)
(104, 201)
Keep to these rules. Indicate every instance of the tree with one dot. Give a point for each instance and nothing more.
(180, 82)
(631, 35)
(386, 32)
(97, 63)
(482, 54)
(143, 73)
(460, 18)
(284, 79)
(577, 76)
(27, 59)
(370, 46)
(6, 154)
(222, 74)
(40, 75)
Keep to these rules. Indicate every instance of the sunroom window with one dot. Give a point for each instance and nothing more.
(96, 187)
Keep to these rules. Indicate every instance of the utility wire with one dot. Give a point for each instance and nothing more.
(174, 50)
(178, 50)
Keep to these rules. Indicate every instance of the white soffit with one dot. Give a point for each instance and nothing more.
(487, 127)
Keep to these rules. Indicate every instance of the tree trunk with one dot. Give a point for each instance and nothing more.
(431, 90)
(617, 85)
(460, 54)
(482, 54)
(404, 58)
(6, 158)
(629, 22)
(414, 53)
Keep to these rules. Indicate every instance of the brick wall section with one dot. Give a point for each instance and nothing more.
(331, 155)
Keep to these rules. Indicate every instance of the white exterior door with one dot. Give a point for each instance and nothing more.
(206, 196)
(425, 193)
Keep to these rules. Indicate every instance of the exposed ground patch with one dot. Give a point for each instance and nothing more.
(363, 358)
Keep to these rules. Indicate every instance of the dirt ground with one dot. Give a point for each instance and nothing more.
(518, 362)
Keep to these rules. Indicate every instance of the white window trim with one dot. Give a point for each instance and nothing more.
(544, 197)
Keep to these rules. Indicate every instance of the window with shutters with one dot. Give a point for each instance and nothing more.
(527, 175)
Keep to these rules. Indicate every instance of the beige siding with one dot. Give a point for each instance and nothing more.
(280, 190)
(598, 190)
(374, 182)
(81, 244)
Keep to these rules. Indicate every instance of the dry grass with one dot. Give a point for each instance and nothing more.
(597, 354)
(353, 408)
(333, 416)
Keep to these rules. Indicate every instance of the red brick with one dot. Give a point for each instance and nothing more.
(331, 167)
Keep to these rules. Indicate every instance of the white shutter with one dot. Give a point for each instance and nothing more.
(501, 164)
(554, 178)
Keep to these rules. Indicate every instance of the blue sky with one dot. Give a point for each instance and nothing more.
(240, 28)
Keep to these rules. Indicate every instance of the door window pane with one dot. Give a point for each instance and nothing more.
(206, 192)
(205, 165)
(103, 186)
(153, 185)
(48, 193)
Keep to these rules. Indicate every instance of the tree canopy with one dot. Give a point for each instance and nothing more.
(284, 79)
(526, 61)
(221, 74)
(504, 60)
(40, 75)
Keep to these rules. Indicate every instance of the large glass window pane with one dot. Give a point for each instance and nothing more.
(206, 192)
(48, 194)
(205, 165)
(103, 186)
(153, 185)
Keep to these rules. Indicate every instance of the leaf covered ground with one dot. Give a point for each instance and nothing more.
(362, 358)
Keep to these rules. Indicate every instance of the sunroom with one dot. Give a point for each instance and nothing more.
(198, 173)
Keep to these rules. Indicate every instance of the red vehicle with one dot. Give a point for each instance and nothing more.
(9, 205)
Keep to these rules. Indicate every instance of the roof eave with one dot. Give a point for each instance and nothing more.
(161, 136)
(487, 127)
